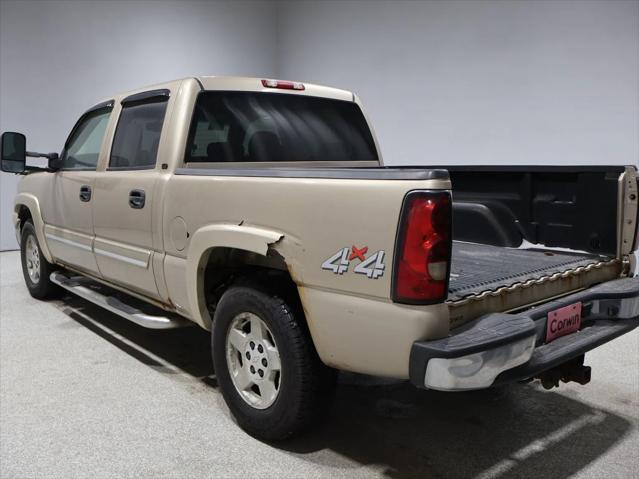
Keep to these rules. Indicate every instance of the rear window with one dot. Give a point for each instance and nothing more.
(274, 127)
(137, 136)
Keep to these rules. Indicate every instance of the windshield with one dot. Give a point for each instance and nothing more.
(275, 127)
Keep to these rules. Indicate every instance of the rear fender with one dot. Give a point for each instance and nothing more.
(248, 238)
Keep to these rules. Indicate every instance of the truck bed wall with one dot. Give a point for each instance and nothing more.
(569, 207)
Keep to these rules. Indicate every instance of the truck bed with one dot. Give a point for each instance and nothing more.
(480, 267)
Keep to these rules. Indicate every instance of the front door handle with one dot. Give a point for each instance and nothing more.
(85, 193)
(137, 199)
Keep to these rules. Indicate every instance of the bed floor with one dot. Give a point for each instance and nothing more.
(479, 267)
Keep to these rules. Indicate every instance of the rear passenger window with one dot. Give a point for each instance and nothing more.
(137, 136)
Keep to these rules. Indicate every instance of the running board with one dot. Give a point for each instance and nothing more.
(91, 291)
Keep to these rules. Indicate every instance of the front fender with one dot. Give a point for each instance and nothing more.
(31, 202)
(248, 238)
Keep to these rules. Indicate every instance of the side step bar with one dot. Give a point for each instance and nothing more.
(91, 291)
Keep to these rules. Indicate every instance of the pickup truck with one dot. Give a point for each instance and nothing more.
(260, 210)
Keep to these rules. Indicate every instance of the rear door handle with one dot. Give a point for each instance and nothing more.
(85, 193)
(137, 199)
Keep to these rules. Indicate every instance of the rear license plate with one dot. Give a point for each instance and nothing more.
(563, 321)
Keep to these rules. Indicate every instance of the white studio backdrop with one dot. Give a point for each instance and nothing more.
(479, 82)
(457, 82)
(58, 58)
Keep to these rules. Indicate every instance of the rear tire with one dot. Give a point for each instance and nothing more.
(35, 267)
(266, 365)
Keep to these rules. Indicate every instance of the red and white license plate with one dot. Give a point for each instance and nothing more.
(563, 321)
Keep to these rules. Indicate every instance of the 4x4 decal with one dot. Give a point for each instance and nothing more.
(372, 267)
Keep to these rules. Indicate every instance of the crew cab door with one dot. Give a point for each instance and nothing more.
(67, 205)
(124, 195)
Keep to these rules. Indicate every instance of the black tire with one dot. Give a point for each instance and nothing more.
(40, 287)
(306, 385)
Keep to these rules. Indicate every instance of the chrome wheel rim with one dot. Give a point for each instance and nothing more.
(32, 257)
(253, 360)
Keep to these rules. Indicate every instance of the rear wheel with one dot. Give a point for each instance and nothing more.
(267, 368)
(35, 267)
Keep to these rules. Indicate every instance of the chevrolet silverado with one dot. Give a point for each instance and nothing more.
(261, 210)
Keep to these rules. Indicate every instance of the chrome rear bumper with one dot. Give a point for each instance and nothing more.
(499, 347)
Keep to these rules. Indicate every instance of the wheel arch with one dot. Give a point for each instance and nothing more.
(231, 251)
(27, 206)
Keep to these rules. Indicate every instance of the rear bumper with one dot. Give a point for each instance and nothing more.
(498, 348)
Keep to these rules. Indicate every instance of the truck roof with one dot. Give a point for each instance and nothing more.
(233, 83)
(255, 84)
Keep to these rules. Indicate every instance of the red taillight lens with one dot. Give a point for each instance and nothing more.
(422, 257)
(283, 84)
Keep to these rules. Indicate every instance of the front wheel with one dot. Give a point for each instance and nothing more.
(267, 368)
(35, 267)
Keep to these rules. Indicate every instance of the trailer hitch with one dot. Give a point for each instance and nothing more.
(573, 370)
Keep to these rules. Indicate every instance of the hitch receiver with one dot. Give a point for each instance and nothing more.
(573, 370)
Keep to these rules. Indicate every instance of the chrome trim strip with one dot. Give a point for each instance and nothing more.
(119, 257)
(67, 241)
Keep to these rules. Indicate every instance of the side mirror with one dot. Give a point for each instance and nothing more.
(13, 152)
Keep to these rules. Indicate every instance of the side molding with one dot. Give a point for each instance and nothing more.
(31, 202)
(249, 238)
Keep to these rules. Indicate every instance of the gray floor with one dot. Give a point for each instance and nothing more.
(84, 394)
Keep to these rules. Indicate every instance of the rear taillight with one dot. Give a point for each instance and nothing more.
(422, 253)
(283, 84)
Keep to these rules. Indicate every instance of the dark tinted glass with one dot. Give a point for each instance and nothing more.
(244, 126)
(83, 146)
(137, 136)
(13, 152)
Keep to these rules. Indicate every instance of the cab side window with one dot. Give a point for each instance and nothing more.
(82, 149)
(137, 136)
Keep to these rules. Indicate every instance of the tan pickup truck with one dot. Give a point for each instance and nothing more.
(260, 210)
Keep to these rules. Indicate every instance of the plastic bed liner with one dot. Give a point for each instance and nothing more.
(479, 267)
